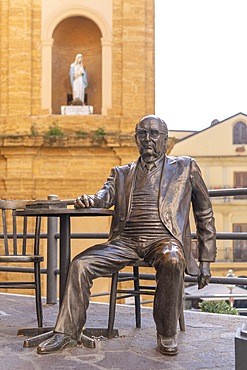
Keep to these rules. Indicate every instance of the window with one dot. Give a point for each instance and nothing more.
(240, 133)
(240, 181)
(240, 246)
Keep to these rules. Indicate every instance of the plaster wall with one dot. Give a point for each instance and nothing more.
(216, 140)
(219, 159)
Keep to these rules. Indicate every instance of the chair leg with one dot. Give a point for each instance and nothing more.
(31, 332)
(37, 274)
(137, 296)
(112, 305)
(39, 310)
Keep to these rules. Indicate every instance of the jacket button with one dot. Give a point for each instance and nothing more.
(122, 219)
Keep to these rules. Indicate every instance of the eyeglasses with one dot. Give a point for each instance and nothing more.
(154, 134)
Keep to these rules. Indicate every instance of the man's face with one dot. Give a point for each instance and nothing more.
(150, 139)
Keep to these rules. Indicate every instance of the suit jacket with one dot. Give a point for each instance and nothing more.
(181, 185)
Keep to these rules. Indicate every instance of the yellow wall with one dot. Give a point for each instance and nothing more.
(127, 46)
(34, 165)
(121, 89)
(214, 141)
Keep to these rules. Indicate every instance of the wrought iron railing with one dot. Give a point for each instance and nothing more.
(53, 236)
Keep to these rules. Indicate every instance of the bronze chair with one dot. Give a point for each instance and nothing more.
(16, 255)
(136, 292)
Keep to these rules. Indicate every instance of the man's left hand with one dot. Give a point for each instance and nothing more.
(205, 274)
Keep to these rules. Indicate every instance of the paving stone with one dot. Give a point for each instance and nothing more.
(207, 343)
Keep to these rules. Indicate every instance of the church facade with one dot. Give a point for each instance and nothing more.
(39, 40)
(44, 152)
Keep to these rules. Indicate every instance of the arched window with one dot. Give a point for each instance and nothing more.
(240, 133)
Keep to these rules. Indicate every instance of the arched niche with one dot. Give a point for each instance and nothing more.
(48, 28)
(72, 36)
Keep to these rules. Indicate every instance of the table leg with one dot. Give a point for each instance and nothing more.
(65, 256)
(64, 253)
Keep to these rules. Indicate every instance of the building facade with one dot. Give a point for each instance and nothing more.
(43, 152)
(221, 152)
(39, 40)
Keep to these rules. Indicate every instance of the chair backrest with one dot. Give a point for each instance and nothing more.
(10, 228)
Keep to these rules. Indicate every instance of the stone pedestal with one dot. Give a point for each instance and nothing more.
(76, 110)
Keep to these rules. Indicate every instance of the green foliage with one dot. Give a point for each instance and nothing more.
(34, 131)
(82, 134)
(98, 135)
(54, 130)
(221, 307)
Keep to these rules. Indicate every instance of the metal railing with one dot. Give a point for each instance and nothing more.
(53, 236)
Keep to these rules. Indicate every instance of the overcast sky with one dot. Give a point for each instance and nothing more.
(201, 61)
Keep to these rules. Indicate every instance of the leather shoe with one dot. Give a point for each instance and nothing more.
(56, 342)
(167, 345)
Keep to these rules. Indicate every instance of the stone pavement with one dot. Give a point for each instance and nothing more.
(207, 343)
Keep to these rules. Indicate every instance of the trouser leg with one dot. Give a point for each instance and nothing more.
(97, 261)
(168, 260)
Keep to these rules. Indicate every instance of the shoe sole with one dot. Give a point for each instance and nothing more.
(70, 343)
(168, 352)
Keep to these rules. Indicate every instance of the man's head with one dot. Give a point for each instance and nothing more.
(151, 137)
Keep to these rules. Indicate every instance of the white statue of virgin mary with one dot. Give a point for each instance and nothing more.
(78, 78)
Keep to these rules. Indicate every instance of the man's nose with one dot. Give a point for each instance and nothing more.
(147, 136)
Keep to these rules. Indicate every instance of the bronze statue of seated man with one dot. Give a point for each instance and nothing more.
(152, 199)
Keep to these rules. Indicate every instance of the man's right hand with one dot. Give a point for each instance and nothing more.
(84, 201)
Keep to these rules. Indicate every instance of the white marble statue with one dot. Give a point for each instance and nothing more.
(78, 78)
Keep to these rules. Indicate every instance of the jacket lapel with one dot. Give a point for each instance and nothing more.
(169, 171)
(128, 187)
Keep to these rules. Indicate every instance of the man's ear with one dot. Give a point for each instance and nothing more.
(136, 139)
